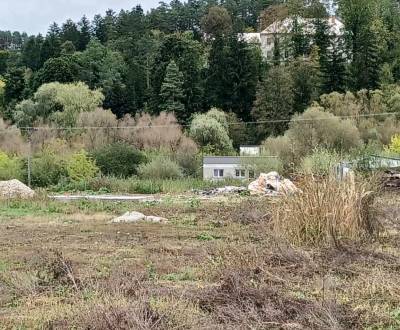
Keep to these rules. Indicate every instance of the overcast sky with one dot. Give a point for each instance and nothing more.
(35, 16)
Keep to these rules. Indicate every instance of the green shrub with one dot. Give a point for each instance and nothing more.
(160, 168)
(81, 167)
(10, 167)
(321, 162)
(47, 169)
(118, 159)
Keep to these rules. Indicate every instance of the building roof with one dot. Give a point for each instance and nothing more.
(230, 160)
(250, 37)
(286, 25)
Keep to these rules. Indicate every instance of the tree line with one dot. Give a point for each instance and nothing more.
(187, 57)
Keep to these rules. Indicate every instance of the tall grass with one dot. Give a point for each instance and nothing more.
(327, 212)
(142, 186)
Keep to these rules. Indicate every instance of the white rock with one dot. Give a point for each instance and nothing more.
(129, 217)
(156, 219)
(132, 217)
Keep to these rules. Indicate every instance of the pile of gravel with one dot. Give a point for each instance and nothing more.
(15, 189)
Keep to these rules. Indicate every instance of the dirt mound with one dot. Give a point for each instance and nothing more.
(15, 189)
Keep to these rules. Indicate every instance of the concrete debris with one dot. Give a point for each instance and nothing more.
(15, 189)
(221, 191)
(391, 180)
(132, 217)
(272, 184)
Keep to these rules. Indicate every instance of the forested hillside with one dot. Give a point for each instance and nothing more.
(187, 57)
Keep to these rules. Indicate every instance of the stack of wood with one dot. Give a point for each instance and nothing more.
(391, 179)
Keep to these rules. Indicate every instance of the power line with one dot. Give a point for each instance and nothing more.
(272, 121)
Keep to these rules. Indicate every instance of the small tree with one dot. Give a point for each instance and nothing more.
(394, 146)
(81, 167)
(10, 167)
(172, 91)
(210, 133)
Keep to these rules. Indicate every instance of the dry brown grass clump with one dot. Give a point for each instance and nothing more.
(239, 302)
(327, 212)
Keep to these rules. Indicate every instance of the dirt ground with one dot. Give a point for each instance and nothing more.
(215, 265)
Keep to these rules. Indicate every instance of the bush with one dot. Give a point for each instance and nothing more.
(47, 169)
(10, 167)
(187, 156)
(81, 167)
(118, 159)
(310, 130)
(326, 212)
(321, 162)
(394, 146)
(160, 168)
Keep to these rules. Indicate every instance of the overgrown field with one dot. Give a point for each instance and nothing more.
(218, 264)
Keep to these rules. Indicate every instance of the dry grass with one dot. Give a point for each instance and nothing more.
(215, 265)
(326, 212)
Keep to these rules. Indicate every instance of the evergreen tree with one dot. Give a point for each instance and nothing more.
(31, 52)
(188, 55)
(70, 32)
(274, 101)
(84, 36)
(299, 41)
(306, 78)
(334, 73)
(15, 85)
(366, 64)
(322, 39)
(233, 75)
(172, 92)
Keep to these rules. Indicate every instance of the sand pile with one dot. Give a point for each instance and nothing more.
(15, 189)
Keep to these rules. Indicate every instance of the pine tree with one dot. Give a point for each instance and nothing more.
(366, 63)
(275, 99)
(84, 37)
(70, 32)
(334, 71)
(299, 41)
(322, 40)
(172, 92)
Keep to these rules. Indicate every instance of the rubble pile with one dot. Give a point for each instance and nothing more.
(228, 190)
(272, 184)
(15, 189)
(391, 180)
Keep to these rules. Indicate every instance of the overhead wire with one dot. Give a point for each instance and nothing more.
(260, 122)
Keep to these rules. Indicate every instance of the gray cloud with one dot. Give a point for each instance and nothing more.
(35, 16)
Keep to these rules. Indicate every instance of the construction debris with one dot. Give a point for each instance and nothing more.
(132, 217)
(15, 189)
(228, 190)
(272, 184)
(391, 180)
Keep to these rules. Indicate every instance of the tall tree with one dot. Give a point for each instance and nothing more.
(334, 72)
(84, 33)
(233, 75)
(172, 92)
(70, 32)
(274, 101)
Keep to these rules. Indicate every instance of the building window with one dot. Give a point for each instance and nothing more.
(240, 173)
(251, 174)
(218, 173)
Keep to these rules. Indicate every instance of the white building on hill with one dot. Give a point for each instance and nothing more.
(280, 31)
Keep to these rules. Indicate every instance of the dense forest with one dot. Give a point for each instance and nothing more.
(188, 57)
